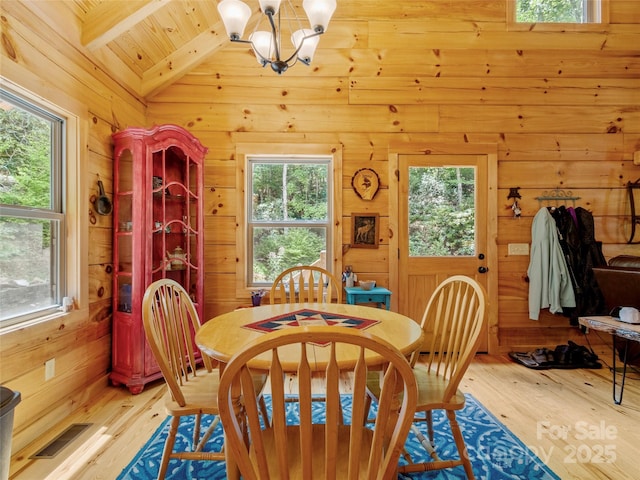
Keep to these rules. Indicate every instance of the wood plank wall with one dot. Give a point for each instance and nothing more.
(562, 107)
(40, 53)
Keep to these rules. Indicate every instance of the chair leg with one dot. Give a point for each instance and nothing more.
(426, 444)
(264, 412)
(367, 409)
(462, 447)
(196, 429)
(206, 435)
(429, 418)
(168, 447)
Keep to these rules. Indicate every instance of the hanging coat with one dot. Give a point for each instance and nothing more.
(591, 300)
(582, 253)
(549, 282)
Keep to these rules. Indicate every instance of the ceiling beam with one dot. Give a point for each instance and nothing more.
(193, 53)
(108, 20)
(178, 63)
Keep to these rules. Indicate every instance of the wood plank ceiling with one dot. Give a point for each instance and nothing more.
(149, 44)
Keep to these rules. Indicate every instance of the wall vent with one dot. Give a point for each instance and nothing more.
(65, 438)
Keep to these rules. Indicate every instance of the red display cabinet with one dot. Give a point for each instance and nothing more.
(158, 233)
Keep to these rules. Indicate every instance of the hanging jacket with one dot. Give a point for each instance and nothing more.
(549, 280)
(591, 301)
(582, 253)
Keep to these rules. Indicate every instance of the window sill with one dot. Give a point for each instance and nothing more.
(558, 27)
(59, 315)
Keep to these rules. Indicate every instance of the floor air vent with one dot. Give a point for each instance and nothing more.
(62, 440)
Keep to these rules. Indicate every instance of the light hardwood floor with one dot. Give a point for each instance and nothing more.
(566, 416)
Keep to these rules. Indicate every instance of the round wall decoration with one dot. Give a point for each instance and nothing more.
(365, 183)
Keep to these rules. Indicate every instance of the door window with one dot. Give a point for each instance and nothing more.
(441, 207)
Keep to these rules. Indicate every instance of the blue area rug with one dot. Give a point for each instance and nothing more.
(495, 452)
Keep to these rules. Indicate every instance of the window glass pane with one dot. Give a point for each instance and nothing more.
(31, 215)
(289, 191)
(276, 249)
(25, 157)
(26, 282)
(288, 213)
(441, 211)
(553, 11)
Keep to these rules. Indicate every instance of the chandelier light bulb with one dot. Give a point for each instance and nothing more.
(305, 44)
(235, 15)
(271, 6)
(263, 45)
(319, 13)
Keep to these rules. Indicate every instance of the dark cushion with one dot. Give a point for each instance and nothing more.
(629, 261)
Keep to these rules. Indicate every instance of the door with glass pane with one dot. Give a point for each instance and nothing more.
(443, 225)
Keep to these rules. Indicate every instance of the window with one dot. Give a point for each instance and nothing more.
(32, 218)
(558, 11)
(441, 206)
(556, 15)
(289, 215)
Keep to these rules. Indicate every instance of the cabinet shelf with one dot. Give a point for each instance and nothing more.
(169, 197)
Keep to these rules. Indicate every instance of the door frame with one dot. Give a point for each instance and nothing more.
(424, 148)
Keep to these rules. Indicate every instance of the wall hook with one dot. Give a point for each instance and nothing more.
(515, 194)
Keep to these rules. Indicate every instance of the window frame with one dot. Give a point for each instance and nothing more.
(246, 152)
(70, 171)
(599, 24)
(252, 225)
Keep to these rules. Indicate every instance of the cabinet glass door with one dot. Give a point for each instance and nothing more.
(175, 211)
(124, 231)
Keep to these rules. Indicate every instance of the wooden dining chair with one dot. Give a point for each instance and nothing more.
(170, 321)
(306, 283)
(453, 319)
(297, 445)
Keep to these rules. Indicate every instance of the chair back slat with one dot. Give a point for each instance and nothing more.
(306, 413)
(170, 322)
(455, 314)
(251, 415)
(358, 415)
(306, 284)
(333, 410)
(331, 448)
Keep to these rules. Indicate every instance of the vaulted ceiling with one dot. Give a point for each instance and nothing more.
(151, 43)
(148, 45)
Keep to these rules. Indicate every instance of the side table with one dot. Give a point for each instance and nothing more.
(628, 332)
(377, 295)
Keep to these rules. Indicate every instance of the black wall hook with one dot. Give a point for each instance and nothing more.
(514, 193)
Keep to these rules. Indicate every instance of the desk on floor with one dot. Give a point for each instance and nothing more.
(377, 295)
(628, 331)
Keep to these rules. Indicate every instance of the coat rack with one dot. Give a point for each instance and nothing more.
(559, 196)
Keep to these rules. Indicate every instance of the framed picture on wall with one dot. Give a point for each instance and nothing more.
(365, 228)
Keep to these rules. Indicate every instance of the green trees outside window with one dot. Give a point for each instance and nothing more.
(288, 216)
(31, 215)
(441, 211)
(554, 11)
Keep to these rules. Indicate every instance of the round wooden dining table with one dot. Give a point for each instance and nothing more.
(224, 335)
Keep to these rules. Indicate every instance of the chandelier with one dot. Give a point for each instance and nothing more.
(267, 44)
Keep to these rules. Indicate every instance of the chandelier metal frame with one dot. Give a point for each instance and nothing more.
(267, 45)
